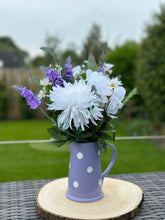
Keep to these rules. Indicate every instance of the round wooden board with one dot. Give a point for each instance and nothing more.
(122, 200)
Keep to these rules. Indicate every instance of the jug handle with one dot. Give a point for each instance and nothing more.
(111, 162)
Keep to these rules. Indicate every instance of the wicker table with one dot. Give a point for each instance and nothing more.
(17, 199)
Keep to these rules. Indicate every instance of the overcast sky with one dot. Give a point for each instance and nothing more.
(28, 21)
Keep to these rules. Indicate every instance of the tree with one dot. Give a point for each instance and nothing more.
(37, 61)
(93, 43)
(151, 67)
(124, 59)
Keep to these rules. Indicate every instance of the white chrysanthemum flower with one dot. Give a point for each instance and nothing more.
(41, 94)
(45, 82)
(107, 67)
(76, 71)
(116, 101)
(78, 103)
(102, 84)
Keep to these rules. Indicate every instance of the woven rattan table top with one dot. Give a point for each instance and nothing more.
(17, 199)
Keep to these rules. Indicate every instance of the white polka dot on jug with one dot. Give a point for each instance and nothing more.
(90, 169)
(79, 155)
(75, 184)
(100, 182)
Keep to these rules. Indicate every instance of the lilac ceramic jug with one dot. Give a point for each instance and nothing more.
(85, 177)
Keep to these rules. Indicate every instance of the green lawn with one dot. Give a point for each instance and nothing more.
(44, 160)
(24, 130)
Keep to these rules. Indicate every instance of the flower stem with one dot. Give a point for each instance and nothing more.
(51, 119)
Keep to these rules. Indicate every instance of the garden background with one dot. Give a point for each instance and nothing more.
(140, 65)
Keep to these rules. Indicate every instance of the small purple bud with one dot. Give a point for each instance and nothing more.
(44, 69)
(100, 69)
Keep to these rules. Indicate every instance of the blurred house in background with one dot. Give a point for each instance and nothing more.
(10, 59)
(11, 56)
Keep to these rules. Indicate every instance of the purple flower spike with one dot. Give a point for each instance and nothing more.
(68, 67)
(54, 77)
(29, 95)
(31, 100)
(33, 103)
(68, 60)
(16, 87)
(23, 91)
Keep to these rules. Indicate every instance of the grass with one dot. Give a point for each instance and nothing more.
(22, 162)
(24, 130)
(44, 160)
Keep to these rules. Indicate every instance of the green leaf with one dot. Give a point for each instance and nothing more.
(50, 51)
(73, 80)
(91, 61)
(102, 144)
(103, 54)
(107, 132)
(34, 80)
(105, 136)
(80, 140)
(59, 143)
(70, 134)
(132, 93)
(85, 135)
(82, 137)
(63, 72)
(57, 134)
(93, 88)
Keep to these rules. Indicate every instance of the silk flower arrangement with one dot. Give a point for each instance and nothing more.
(82, 100)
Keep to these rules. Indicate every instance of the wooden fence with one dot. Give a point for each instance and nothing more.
(18, 76)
